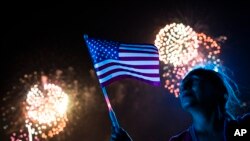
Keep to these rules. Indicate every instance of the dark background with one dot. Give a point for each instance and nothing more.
(48, 36)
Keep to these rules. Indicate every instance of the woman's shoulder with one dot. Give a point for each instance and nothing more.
(235, 126)
(240, 120)
(182, 136)
(245, 119)
(246, 116)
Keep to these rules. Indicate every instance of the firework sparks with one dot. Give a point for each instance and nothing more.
(177, 44)
(181, 49)
(46, 109)
(22, 135)
(42, 104)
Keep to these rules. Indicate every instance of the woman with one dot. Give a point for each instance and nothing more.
(206, 94)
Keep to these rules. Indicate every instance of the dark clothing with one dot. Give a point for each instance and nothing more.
(232, 130)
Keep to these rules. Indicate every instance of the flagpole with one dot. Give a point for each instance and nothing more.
(112, 116)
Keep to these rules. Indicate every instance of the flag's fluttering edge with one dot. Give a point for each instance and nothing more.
(114, 61)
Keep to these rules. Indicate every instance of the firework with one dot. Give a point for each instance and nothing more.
(177, 44)
(22, 135)
(43, 105)
(181, 49)
(46, 110)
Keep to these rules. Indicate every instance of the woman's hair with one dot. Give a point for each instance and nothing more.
(225, 86)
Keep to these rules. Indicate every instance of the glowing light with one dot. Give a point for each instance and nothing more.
(181, 49)
(46, 109)
(14, 112)
(21, 135)
(177, 44)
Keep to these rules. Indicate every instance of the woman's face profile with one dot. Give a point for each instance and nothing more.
(196, 92)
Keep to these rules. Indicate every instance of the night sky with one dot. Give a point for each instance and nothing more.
(45, 36)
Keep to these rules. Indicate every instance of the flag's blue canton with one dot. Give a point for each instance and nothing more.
(102, 50)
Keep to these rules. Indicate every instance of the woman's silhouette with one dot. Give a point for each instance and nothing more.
(205, 94)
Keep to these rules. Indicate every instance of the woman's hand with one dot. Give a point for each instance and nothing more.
(120, 135)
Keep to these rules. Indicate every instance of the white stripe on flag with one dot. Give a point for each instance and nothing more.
(136, 63)
(113, 75)
(121, 54)
(138, 45)
(139, 49)
(149, 71)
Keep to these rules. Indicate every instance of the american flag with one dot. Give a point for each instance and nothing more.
(114, 61)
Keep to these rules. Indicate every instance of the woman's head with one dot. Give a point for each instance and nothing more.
(204, 89)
